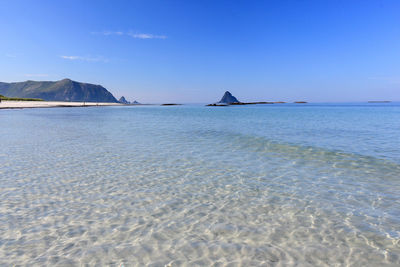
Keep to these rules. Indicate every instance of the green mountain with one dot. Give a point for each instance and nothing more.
(64, 90)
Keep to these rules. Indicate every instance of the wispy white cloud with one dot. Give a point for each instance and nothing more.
(109, 33)
(70, 57)
(132, 34)
(86, 58)
(11, 55)
(146, 36)
(36, 75)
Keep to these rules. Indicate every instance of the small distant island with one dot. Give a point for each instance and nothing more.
(123, 100)
(229, 100)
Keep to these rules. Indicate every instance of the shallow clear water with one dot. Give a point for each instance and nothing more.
(198, 186)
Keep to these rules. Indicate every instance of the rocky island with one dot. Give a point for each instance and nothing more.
(123, 100)
(228, 99)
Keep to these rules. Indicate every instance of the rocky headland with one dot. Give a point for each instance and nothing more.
(63, 90)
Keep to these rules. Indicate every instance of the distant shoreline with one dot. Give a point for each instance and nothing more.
(5, 104)
(12, 104)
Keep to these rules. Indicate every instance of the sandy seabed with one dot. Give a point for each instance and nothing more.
(193, 186)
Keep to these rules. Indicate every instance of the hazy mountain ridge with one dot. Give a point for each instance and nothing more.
(63, 90)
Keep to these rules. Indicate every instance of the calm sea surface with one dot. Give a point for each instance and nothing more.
(274, 185)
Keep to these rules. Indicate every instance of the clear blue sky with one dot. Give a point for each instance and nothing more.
(192, 51)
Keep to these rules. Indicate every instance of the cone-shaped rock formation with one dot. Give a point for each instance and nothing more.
(228, 98)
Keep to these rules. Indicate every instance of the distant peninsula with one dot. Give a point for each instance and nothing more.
(63, 90)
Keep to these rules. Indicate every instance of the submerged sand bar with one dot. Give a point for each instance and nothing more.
(4, 104)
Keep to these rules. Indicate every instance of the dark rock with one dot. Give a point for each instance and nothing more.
(228, 98)
(238, 104)
(122, 100)
(135, 103)
(217, 105)
(300, 102)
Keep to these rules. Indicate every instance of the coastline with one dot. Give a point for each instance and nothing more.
(5, 104)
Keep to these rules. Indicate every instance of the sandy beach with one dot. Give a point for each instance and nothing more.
(50, 104)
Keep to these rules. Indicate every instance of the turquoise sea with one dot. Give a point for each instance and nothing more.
(267, 185)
